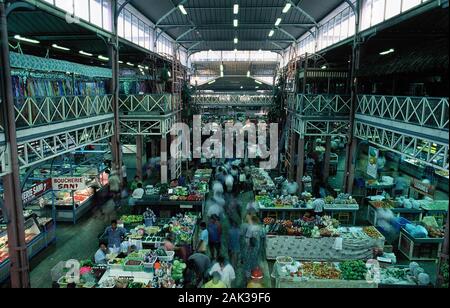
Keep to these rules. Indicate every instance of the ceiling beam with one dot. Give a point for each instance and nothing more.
(231, 41)
(165, 16)
(230, 25)
(298, 8)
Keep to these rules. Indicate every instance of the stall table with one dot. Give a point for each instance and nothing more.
(292, 213)
(410, 214)
(166, 209)
(373, 189)
(419, 249)
(321, 249)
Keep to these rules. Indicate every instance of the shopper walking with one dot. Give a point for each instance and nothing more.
(114, 186)
(202, 246)
(226, 270)
(215, 237)
(234, 243)
(252, 253)
(216, 282)
(198, 264)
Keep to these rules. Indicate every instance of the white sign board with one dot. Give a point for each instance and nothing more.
(372, 166)
(69, 183)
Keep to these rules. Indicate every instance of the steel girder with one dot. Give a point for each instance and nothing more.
(149, 103)
(32, 112)
(406, 145)
(227, 100)
(147, 125)
(320, 126)
(319, 105)
(35, 151)
(422, 111)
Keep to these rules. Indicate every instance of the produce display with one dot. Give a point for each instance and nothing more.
(266, 201)
(320, 227)
(353, 270)
(132, 219)
(372, 232)
(385, 204)
(261, 180)
(178, 270)
(320, 270)
(342, 199)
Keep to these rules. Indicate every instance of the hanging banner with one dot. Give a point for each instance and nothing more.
(372, 166)
(69, 183)
(36, 191)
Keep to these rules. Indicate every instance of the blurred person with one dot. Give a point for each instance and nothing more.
(234, 243)
(216, 282)
(226, 270)
(102, 252)
(215, 237)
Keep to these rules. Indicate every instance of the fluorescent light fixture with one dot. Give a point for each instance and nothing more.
(142, 72)
(383, 53)
(221, 67)
(121, 62)
(169, 74)
(248, 74)
(324, 67)
(236, 40)
(242, 87)
(103, 58)
(235, 23)
(147, 68)
(211, 82)
(210, 50)
(24, 39)
(236, 9)
(60, 47)
(258, 82)
(221, 74)
(256, 87)
(84, 53)
(271, 33)
(235, 50)
(182, 9)
(130, 64)
(278, 22)
(140, 66)
(287, 7)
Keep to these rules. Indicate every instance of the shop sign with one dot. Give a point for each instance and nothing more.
(423, 187)
(36, 191)
(69, 183)
(372, 166)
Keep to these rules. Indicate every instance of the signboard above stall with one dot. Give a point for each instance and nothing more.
(69, 183)
(36, 191)
(423, 188)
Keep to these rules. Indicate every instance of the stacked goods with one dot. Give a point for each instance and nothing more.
(324, 227)
(132, 219)
(343, 199)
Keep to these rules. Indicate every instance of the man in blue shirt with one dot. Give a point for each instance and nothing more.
(100, 255)
(114, 234)
(204, 239)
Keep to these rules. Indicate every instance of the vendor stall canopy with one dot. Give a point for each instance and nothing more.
(201, 25)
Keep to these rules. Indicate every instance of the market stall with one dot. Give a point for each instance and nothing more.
(343, 208)
(420, 248)
(39, 234)
(170, 200)
(320, 240)
(397, 207)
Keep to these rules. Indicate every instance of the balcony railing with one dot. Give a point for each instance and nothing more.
(232, 99)
(38, 111)
(149, 104)
(429, 112)
(319, 105)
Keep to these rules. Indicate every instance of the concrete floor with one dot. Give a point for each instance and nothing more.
(80, 241)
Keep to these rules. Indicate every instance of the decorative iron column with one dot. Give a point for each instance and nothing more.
(12, 190)
(352, 141)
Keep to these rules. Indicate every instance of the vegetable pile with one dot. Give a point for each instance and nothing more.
(353, 270)
(132, 219)
(321, 270)
(177, 270)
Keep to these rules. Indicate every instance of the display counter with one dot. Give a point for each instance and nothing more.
(261, 180)
(39, 234)
(419, 249)
(169, 208)
(70, 206)
(356, 245)
(415, 169)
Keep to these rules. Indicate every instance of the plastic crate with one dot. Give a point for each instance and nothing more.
(400, 223)
(169, 258)
(133, 268)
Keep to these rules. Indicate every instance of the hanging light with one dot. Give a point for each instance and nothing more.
(271, 33)
(278, 22)
(130, 64)
(287, 7)
(60, 47)
(84, 53)
(248, 74)
(24, 39)
(103, 58)
(182, 9)
(236, 40)
(236, 9)
(383, 53)
(324, 67)
(258, 82)
(211, 82)
(235, 23)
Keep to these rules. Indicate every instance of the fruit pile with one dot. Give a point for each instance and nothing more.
(321, 270)
(372, 232)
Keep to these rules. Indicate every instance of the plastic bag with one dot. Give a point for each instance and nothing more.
(430, 221)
